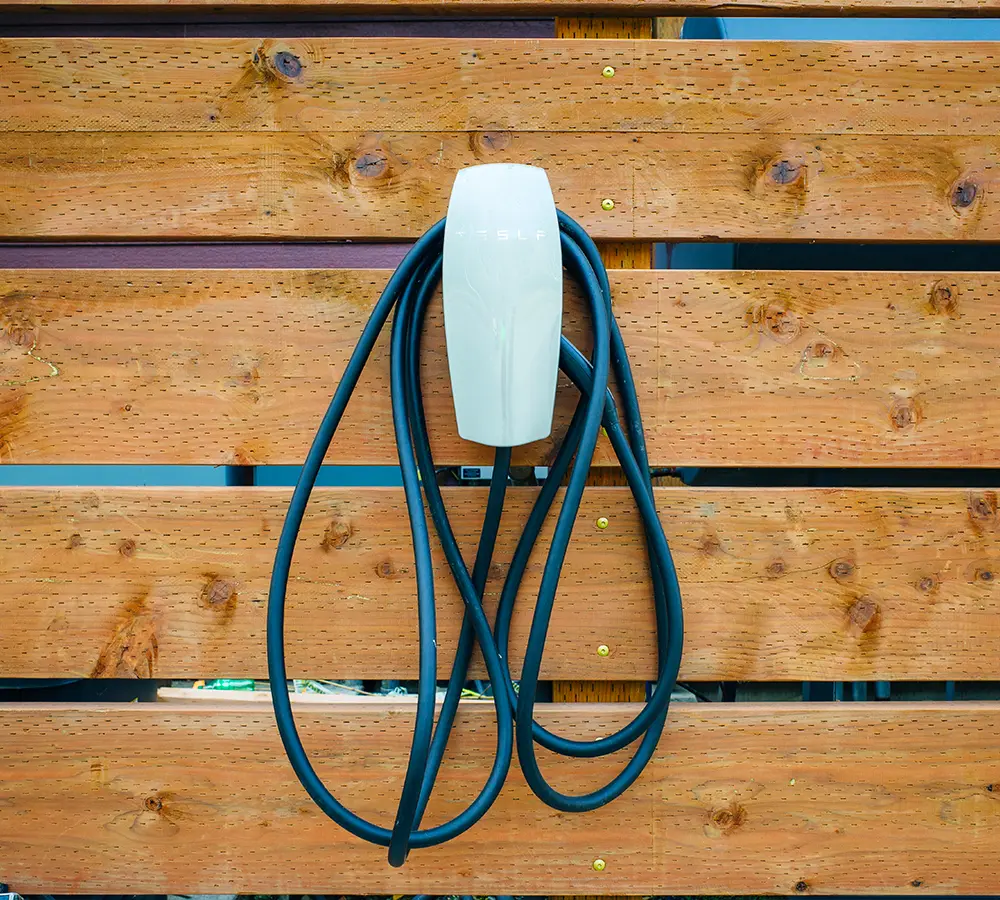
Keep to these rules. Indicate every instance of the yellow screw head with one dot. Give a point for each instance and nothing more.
(603, 650)
(603, 522)
(607, 204)
(608, 72)
(599, 865)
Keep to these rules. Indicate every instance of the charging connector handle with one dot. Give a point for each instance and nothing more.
(409, 291)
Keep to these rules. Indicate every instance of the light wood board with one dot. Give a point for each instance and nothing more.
(323, 85)
(789, 799)
(392, 185)
(777, 584)
(733, 368)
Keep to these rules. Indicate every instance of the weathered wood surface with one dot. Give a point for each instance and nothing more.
(118, 138)
(778, 584)
(605, 27)
(733, 368)
(831, 798)
(372, 85)
(392, 185)
(892, 141)
(950, 8)
(620, 256)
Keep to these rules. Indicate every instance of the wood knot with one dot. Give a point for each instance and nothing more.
(485, 142)
(127, 548)
(776, 569)
(994, 789)
(916, 882)
(983, 510)
(710, 545)
(726, 820)
(132, 650)
(242, 456)
(498, 571)
(21, 333)
(386, 569)
(985, 576)
(218, 592)
(153, 804)
(863, 615)
(842, 569)
(944, 299)
(904, 414)
(964, 194)
(781, 324)
(371, 165)
(287, 64)
(785, 171)
(75, 540)
(927, 583)
(337, 534)
(801, 886)
(823, 350)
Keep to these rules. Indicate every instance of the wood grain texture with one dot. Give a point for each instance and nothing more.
(324, 85)
(668, 27)
(463, 8)
(616, 255)
(733, 368)
(744, 799)
(385, 185)
(778, 584)
(604, 27)
(626, 254)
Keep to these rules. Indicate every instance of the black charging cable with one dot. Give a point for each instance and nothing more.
(409, 291)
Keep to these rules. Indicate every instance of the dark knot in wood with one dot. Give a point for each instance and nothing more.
(288, 64)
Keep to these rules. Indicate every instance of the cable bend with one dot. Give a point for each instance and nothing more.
(406, 297)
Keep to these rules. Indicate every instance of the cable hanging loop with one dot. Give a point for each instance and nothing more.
(407, 295)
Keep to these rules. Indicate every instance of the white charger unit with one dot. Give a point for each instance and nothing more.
(502, 283)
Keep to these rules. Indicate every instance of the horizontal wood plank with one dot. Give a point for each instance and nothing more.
(465, 8)
(733, 368)
(777, 584)
(743, 799)
(348, 138)
(394, 186)
(436, 85)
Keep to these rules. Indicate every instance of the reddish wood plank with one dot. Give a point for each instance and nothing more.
(371, 85)
(778, 584)
(733, 368)
(825, 799)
